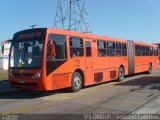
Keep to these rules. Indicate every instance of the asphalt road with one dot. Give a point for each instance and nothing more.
(138, 94)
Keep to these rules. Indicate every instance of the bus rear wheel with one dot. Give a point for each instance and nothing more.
(150, 69)
(120, 74)
(76, 83)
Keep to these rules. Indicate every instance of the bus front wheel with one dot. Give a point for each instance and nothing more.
(120, 74)
(76, 83)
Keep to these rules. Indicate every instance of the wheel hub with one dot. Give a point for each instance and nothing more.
(77, 82)
(121, 74)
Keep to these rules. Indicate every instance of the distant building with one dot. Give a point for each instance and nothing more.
(6, 44)
(4, 52)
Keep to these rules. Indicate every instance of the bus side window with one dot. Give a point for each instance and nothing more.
(101, 48)
(76, 47)
(88, 49)
(118, 49)
(138, 50)
(110, 48)
(143, 52)
(147, 51)
(58, 47)
(150, 51)
(124, 49)
(155, 51)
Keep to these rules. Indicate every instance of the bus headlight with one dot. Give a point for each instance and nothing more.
(37, 75)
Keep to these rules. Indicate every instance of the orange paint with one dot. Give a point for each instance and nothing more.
(104, 68)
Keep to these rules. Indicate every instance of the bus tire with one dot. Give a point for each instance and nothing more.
(121, 74)
(76, 83)
(150, 69)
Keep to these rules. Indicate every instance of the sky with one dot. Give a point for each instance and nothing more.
(137, 20)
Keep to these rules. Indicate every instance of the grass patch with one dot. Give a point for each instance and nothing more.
(3, 75)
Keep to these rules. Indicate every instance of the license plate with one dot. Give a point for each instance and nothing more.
(21, 81)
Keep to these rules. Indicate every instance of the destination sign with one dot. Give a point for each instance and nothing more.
(30, 34)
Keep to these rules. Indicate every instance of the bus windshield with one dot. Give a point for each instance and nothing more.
(26, 54)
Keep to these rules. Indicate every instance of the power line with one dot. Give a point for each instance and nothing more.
(146, 11)
(154, 11)
(131, 9)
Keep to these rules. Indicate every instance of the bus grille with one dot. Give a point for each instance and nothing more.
(22, 74)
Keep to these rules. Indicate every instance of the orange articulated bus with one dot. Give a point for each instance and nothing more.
(50, 59)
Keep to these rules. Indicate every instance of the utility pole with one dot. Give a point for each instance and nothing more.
(71, 15)
(33, 26)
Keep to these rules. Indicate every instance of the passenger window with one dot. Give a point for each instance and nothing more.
(124, 49)
(150, 51)
(59, 43)
(155, 51)
(143, 51)
(118, 49)
(101, 48)
(138, 50)
(88, 49)
(110, 48)
(147, 51)
(76, 47)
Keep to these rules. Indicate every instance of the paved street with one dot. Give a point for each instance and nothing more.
(138, 94)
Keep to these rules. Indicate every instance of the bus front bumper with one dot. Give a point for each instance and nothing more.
(25, 84)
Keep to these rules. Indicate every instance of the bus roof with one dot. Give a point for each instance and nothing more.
(84, 35)
(92, 36)
(145, 44)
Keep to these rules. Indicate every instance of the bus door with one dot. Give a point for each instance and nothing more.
(89, 64)
(131, 57)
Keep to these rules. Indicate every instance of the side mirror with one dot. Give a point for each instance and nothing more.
(52, 49)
